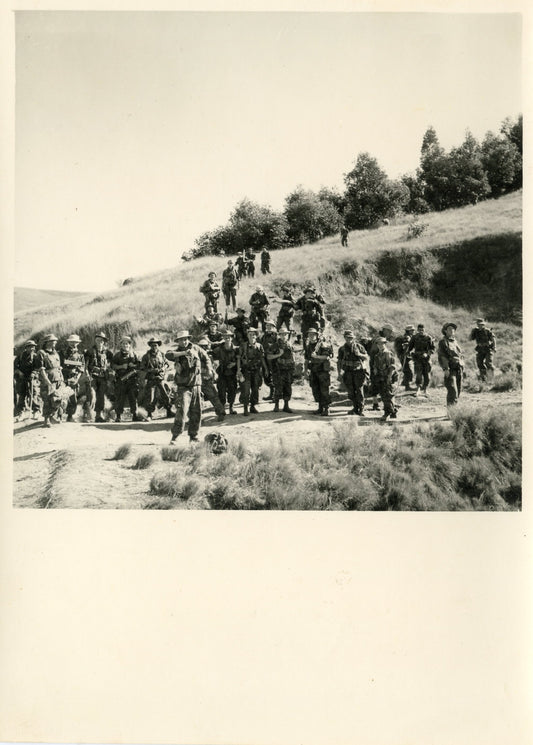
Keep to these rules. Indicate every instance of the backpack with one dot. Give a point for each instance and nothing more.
(216, 443)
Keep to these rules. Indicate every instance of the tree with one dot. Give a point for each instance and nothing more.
(513, 131)
(468, 182)
(416, 204)
(501, 160)
(254, 226)
(370, 195)
(434, 172)
(309, 218)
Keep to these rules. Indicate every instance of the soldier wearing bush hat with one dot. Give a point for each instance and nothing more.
(73, 365)
(485, 348)
(98, 365)
(421, 347)
(352, 370)
(451, 361)
(154, 365)
(51, 379)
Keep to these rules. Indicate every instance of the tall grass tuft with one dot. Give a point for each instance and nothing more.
(144, 461)
(122, 452)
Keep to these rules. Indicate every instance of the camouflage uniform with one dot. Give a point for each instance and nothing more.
(227, 375)
(154, 365)
(188, 379)
(252, 365)
(26, 366)
(75, 376)
(98, 366)
(352, 361)
(51, 379)
(386, 377)
(451, 361)
(485, 348)
(319, 372)
(259, 313)
(422, 347)
(126, 382)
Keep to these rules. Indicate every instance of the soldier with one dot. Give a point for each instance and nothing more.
(26, 365)
(208, 317)
(259, 304)
(250, 263)
(211, 291)
(286, 311)
(230, 282)
(126, 364)
(485, 348)
(187, 359)
(226, 356)
(240, 264)
(312, 312)
(265, 261)
(317, 368)
(352, 370)
(384, 333)
(75, 376)
(344, 235)
(281, 361)
(241, 324)
(251, 366)
(269, 342)
(401, 347)
(421, 347)
(451, 361)
(98, 365)
(154, 365)
(51, 379)
(386, 376)
(209, 392)
(215, 336)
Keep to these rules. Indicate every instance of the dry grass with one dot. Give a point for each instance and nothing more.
(122, 452)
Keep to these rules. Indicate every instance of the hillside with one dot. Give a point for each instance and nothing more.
(467, 261)
(26, 298)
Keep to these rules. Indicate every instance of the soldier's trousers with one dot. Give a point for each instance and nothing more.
(210, 300)
(154, 391)
(81, 389)
(282, 380)
(354, 381)
(126, 391)
(453, 382)
(230, 295)
(227, 389)
(265, 268)
(51, 402)
(209, 392)
(99, 390)
(27, 389)
(320, 384)
(422, 371)
(284, 319)
(250, 386)
(386, 391)
(258, 317)
(188, 402)
(407, 372)
(484, 357)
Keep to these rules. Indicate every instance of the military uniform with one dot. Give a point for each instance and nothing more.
(211, 291)
(188, 379)
(282, 374)
(312, 314)
(227, 375)
(98, 366)
(401, 347)
(241, 324)
(240, 263)
(386, 376)
(126, 381)
(265, 261)
(51, 379)
(74, 375)
(209, 391)
(259, 304)
(451, 361)
(286, 311)
(269, 342)
(26, 366)
(352, 361)
(485, 348)
(319, 372)
(422, 347)
(344, 236)
(250, 264)
(252, 365)
(229, 286)
(154, 365)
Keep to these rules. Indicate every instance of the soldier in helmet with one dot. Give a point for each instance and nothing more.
(401, 347)
(386, 377)
(281, 361)
(352, 369)
(211, 291)
(51, 379)
(74, 375)
(485, 348)
(386, 333)
(312, 312)
(421, 348)
(26, 366)
(154, 365)
(259, 304)
(187, 358)
(317, 367)
(451, 361)
(251, 366)
(226, 356)
(269, 342)
(126, 364)
(98, 366)
(209, 391)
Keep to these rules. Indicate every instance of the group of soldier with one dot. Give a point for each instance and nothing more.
(236, 355)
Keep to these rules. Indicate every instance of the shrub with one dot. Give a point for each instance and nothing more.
(171, 484)
(416, 229)
(122, 452)
(506, 382)
(144, 461)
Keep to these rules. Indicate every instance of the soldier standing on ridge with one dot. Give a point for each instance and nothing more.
(154, 365)
(422, 347)
(451, 361)
(188, 360)
(259, 304)
(26, 366)
(401, 347)
(386, 377)
(126, 364)
(265, 261)
(211, 291)
(98, 365)
(344, 235)
(209, 392)
(485, 348)
(251, 366)
(317, 366)
(51, 379)
(230, 282)
(352, 369)
(227, 355)
(281, 361)
(74, 375)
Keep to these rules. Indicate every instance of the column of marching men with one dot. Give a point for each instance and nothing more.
(234, 356)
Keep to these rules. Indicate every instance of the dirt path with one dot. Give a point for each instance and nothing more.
(72, 466)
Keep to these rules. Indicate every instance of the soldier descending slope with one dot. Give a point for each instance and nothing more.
(98, 366)
(312, 312)
(265, 261)
(352, 369)
(286, 311)
(451, 361)
(154, 365)
(211, 291)
(421, 347)
(26, 366)
(241, 324)
(317, 365)
(485, 348)
(230, 282)
(259, 304)
(51, 379)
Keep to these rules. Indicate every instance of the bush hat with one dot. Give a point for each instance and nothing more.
(410, 328)
(447, 325)
(74, 338)
(348, 334)
(284, 332)
(203, 342)
(252, 331)
(126, 340)
(100, 335)
(480, 320)
(30, 343)
(184, 334)
(50, 337)
(154, 341)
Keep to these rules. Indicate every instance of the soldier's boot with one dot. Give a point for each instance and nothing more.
(221, 416)
(47, 423)
(385, 417)
(408, 387)
(232, 410)
(417, 391)
(393, 414)
(375, 406)
(424, 391)
(286, 408)
(169, 413)
(317, 411)
(253, 410)
(118, 418)
(276, 406)
(352, 412)
(325, 411)
(245, 411)
(99, 418)
(70, 418)
(193, 440)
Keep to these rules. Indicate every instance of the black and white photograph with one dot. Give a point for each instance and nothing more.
(268, 261)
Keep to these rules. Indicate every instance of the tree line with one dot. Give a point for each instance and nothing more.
(465, 175)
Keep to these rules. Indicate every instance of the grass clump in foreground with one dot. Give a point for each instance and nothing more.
(144, 461)
(472, 462)
(122, 452)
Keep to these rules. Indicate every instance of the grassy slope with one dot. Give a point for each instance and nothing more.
(26, 298)
(165, 301)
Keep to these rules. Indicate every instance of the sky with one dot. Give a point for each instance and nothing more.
(137, 132)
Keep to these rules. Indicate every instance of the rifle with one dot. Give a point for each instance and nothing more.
(128, 375)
